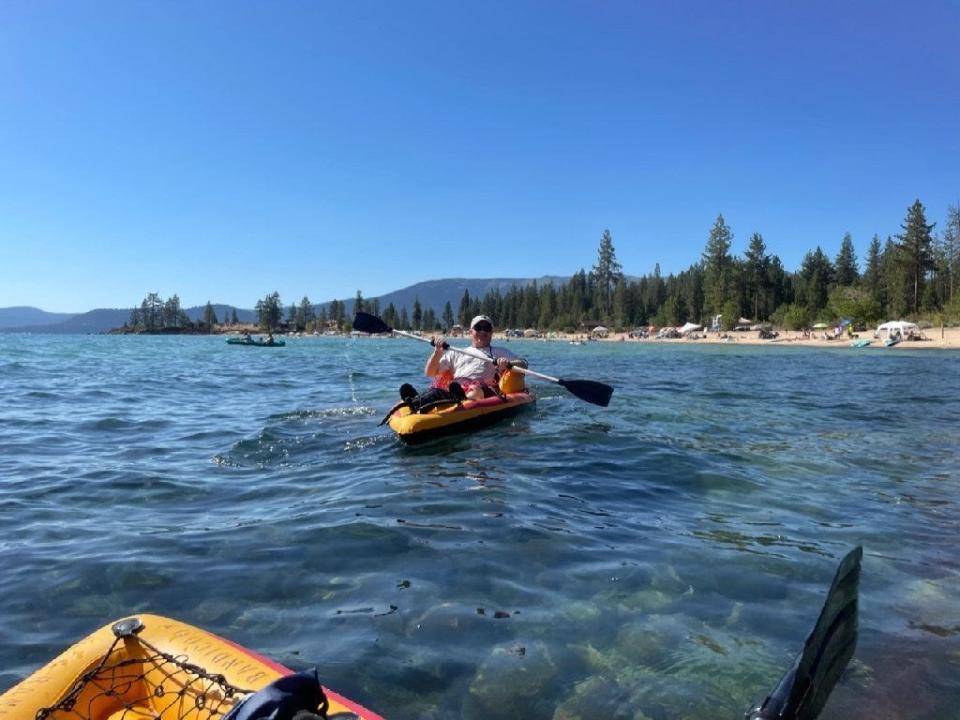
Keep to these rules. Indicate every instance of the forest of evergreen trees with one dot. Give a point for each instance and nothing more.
(912, 275)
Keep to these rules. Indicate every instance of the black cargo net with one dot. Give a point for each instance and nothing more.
(159, 685)
(178, 689)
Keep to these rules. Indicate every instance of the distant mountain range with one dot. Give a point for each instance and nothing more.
(22, 316)
(437, 293)
(431, 294)
(33, 320)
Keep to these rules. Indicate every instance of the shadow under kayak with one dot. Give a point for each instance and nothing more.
(256, 343)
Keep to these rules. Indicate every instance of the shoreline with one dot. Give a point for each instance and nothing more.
(937, 338)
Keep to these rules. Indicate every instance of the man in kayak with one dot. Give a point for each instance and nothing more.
(461, 377)
(477, 378)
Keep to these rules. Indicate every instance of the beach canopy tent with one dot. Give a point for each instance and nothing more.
(689, 328)
(820, 326)
(600, 331)
(902, 327)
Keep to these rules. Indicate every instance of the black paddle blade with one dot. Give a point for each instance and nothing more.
(802, 692)
(365, 322)
(589, 390)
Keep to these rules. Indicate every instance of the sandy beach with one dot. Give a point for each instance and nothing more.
(937, 338)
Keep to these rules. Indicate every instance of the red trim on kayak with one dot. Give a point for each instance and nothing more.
(355, 707)
(273, 665)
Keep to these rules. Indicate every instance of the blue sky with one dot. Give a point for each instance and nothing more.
(224, 150)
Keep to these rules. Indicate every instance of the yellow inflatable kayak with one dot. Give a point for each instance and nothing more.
(466, 416)
(152, 668)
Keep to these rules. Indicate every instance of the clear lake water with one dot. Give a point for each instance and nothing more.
(663, 558)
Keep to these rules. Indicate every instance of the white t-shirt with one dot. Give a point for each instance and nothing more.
(470, 368)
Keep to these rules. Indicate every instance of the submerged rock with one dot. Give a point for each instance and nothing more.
(510, 686)
(644, 645)
(598, 697)
(580, 612)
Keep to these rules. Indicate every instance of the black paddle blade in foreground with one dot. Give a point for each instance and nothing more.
(589, 390)
(802, 692)
(365, 322)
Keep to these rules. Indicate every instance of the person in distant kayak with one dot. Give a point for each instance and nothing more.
(477, 378)
(269, 338)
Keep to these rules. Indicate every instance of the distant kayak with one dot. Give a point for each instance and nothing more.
(860, 343)
(154, 667)
(467, 416)
(255, 343)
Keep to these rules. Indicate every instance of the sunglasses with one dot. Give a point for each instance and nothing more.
(483, 327)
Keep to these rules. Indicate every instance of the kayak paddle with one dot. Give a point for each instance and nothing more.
(589, 390)
(802, 692)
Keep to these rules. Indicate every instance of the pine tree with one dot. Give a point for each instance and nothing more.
(417, 314)
(209, 316)
(547, 303)
(172, 313)
(305, 313)
(529, 306)
(337, 312)
(491, 305)
(269, 311)
(893, 280)
(758, 275)
(780, 284)
(951, 249)
(846, 263)
(447, 317)
(390, 315)
(716, 267)
(464, 311)
(656, 291)
(429, 320)
(607, 272)
(916, 251)
(691, 283)
(816, 276)
(871, 274)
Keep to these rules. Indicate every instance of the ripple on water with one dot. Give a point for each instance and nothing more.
(116, 425)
